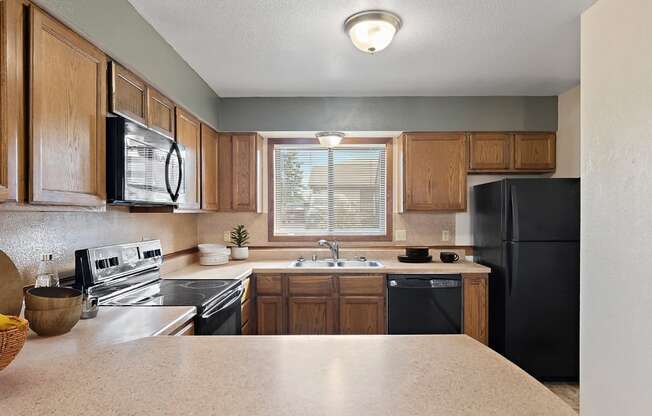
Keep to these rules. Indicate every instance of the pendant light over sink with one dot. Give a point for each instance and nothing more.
(329, 138)
(372, 31)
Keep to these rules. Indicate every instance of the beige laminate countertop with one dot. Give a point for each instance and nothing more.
(286, 375)
(241, 269)
(113, 325)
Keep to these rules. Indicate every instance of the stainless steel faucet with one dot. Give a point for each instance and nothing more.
(334, 246)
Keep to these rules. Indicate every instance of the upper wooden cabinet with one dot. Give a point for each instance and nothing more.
(511, 152)
(128, 94)
(210, 162)
(160, 113)
(435, 171)
(68, 116)
(189, 135)
(12, 114)
(490, 151)
(237, 172)
(534, 151)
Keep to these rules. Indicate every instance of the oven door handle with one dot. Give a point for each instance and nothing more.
(235, 295)
(175, 149)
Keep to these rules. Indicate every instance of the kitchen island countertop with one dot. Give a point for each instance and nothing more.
(272, 375)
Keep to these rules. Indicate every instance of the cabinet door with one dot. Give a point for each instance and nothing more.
(362, 315)
(534, 151)
(311, 315)
(128, 95)
(244, 173)
(189, 135)
(12, 139)
(160, 113)
(68, 112)
(225, 172)
(210, 160)
(270, 315)
(476, 307)
(435, 171)
(490, 151)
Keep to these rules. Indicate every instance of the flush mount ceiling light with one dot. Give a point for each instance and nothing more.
(372, 31)
(329, 138)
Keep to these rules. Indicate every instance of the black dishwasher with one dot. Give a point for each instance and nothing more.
(424, 304)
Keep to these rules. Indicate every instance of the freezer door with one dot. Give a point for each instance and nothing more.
(542, 309)
(542, 210)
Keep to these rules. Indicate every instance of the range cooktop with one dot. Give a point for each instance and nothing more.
(173, 292)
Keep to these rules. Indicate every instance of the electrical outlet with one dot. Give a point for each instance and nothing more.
(445, 235)
(401, 235)
(227, 237)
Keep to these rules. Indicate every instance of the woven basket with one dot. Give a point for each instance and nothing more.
(11, 342)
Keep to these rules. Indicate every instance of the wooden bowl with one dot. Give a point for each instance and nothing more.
(11, 342)
(52, 310)
(45, 298)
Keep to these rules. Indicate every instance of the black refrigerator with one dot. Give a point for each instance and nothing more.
(528, 232)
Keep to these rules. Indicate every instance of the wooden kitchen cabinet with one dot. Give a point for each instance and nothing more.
(270, 315)
(435, 171)
(160, 113)
(128, 94)
(476, 307)
(534, 151)
(68, 111)
(490, 151)
(362, 315)
(311, 315)
(237, 172)
(189, 135)
(12, 111)
(210, 159)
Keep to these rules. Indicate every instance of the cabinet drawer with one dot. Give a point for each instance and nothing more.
(269, 284)
(310, 285)
(245, 311)
(362, 285)
(246, 294)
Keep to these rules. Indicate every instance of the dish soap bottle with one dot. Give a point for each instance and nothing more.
(47, 274)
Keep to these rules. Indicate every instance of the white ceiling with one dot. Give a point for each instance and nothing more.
(245, 48)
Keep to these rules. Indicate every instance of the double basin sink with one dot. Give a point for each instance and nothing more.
(333, 263)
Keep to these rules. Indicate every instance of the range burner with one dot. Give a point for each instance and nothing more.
(204, 284)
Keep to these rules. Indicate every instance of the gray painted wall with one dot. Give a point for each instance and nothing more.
(117, 28)
(389, 114)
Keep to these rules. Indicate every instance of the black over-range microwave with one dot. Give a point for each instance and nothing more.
(144, 168)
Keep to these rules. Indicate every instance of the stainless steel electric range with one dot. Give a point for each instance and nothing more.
(129, 275)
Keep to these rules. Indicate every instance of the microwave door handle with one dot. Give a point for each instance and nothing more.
(175, 149)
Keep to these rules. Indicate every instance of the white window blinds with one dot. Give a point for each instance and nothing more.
(340, 191)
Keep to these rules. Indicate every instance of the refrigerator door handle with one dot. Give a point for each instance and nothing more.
(513, 267)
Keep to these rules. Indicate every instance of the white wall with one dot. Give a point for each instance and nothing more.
(568, 159)
(616, 256)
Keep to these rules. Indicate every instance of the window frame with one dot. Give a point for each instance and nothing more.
(389, 190)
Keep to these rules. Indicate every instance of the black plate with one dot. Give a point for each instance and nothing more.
(406, 259)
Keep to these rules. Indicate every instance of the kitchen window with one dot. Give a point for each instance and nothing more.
(342, 192)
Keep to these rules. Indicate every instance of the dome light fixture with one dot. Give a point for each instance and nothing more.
(372, 31)
(329, 138)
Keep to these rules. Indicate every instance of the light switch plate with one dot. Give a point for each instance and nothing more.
(445, 235)
(401, 235)
(227, 236)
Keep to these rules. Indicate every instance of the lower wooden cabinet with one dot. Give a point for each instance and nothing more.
(270, 315)
(314, 315)
(362, 315)
(476, 304)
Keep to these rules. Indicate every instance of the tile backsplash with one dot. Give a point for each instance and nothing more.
(24, 236)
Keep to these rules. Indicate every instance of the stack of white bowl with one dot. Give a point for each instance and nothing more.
(213, 254)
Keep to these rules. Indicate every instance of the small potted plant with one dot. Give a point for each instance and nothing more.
(239, 238)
